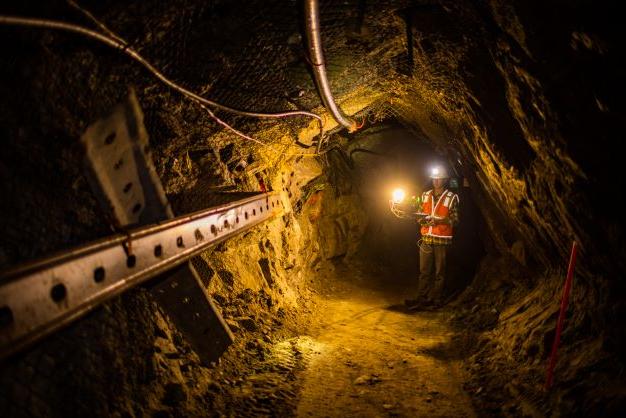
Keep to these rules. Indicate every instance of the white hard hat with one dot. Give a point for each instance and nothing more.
(439, 172)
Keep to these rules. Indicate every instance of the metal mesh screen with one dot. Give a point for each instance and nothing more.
(251, 55)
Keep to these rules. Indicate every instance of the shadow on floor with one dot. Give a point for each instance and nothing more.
(457, 348)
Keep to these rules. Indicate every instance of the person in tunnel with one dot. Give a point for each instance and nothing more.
(440, 207)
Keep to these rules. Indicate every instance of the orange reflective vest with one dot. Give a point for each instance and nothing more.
(438, 211)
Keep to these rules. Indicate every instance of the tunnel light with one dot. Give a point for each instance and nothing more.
(398, 195)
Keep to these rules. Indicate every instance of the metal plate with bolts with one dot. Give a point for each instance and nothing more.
(120, 170)
(123, 177)
(42, 296)
(191, 309)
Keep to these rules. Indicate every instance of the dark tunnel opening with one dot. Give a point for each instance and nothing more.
(198, 214)
(392, 157)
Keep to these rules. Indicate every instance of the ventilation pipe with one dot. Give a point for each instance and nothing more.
(316, 54)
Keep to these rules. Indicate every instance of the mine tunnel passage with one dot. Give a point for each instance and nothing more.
(372, 353)
(347, 324)
(222, 209)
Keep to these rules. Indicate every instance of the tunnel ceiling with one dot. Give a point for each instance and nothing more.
(517, 95)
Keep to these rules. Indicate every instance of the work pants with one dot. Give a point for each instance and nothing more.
(429, 287)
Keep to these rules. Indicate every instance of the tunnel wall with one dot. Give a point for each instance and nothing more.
(496, 102)
(522, 108)
(524, 96)
(261, 281)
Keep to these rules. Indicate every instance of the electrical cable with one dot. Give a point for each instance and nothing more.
(422, 246)
(117, 43)
(227, 126)
(115, 36)
(96, 21)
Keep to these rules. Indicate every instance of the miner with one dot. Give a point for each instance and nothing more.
(438, 216)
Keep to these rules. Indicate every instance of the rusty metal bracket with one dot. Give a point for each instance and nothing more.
(39, 298)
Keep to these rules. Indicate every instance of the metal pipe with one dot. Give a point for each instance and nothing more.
(316, 54)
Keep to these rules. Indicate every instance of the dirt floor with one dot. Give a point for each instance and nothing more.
(360, 353)
(349, 348)
(374, 358)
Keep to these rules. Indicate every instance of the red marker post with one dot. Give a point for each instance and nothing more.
(559, 324)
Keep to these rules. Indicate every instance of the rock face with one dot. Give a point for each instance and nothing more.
(523, 99)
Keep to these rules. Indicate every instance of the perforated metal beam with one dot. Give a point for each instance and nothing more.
(125, 181)
(42, 296)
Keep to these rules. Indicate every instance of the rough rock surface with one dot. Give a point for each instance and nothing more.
(523, 98)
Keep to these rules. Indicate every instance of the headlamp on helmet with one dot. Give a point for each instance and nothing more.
(438, 172)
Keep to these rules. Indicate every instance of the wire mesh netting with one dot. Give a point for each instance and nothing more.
(248, 55)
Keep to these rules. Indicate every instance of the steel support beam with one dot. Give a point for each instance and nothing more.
(124, 179)
(39, 298)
